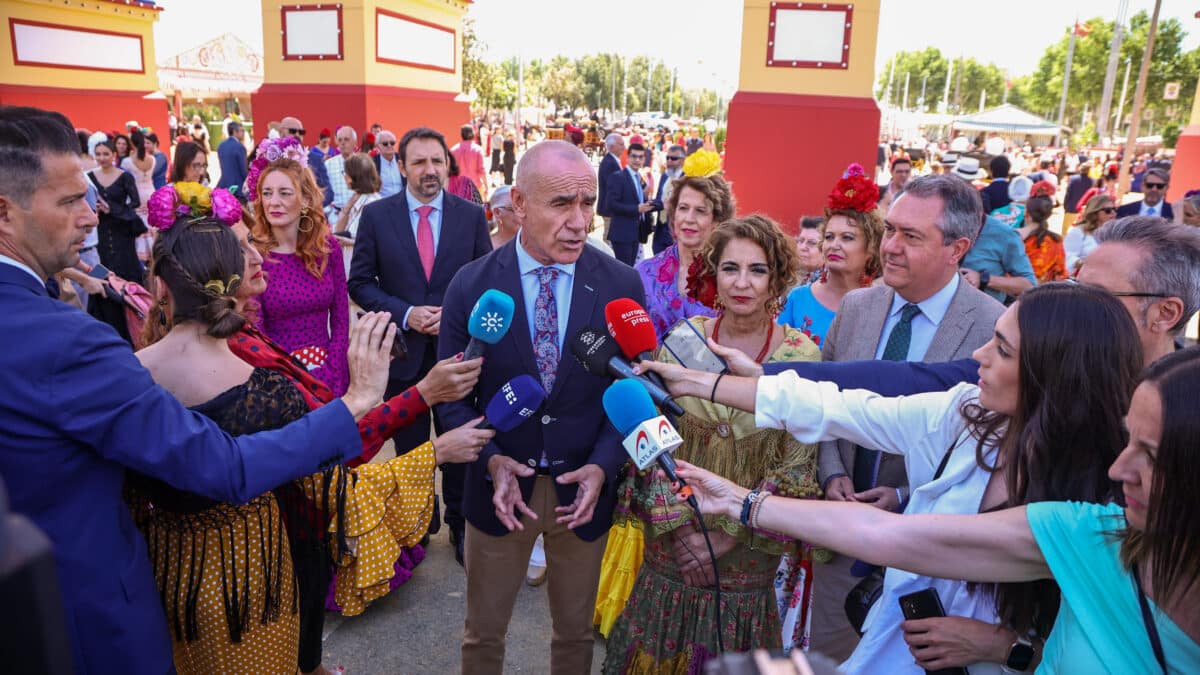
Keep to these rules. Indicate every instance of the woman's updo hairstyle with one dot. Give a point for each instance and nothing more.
(201, 262)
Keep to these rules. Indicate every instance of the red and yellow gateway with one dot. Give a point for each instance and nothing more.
(93, 61)
(363, 61)
(803, 110)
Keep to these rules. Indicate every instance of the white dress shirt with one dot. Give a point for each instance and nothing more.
(1147, 210)
(435, 223)
(922, 428)
(1077, 245)
(389, 176)
(924, 325)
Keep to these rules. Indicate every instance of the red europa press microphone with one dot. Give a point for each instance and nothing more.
(630, 326)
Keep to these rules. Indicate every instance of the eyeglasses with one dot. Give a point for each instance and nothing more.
(294, 132)
(1154, 186)
(199, 165)
(387, 143)
(1123, 294)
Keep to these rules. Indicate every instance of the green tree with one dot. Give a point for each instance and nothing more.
(474, 70)
(560, 86)
(930, 67)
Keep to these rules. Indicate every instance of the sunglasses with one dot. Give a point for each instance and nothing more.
(1154, 186)
(1124, 294)
(1108, 209)
(387, 143)
(673, 159)
(294, 132)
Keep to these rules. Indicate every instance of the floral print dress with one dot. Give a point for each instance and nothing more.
(669, 626)
(664, 303)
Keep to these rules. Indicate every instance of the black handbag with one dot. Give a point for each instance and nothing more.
(865, 593)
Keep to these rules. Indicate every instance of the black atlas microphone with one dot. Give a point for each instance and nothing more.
(600, 354)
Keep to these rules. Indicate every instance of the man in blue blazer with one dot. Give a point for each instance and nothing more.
(1153, 203)
(79, 409)
(554, 475)
(614, 143)
(628, 204)
(663, 234)
(408, 248)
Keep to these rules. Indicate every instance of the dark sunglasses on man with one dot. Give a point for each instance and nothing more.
(294, 132)
(1154, 186)
(387, 143)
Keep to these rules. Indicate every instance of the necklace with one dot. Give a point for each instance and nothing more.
(766, 345)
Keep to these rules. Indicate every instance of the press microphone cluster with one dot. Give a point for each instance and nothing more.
(599, 354)
(489, 321)
(649, 437)
(630, 326)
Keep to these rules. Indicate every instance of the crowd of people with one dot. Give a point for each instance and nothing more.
(924, 388)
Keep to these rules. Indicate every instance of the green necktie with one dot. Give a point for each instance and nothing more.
(866, 462)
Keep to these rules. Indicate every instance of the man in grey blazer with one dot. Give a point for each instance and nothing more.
(925, 312)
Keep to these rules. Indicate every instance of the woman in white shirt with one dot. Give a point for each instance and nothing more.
(1044, 423)
(364, 180)
(1081, 240)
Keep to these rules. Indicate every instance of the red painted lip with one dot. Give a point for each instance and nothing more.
(741, 298)
(257, 275)
(837, 258)
(276, 214)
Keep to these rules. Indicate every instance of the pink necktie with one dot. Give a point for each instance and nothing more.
(425, 239)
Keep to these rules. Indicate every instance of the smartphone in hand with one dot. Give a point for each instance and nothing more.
(926, 604)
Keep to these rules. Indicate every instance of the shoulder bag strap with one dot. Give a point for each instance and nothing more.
(1148, 619)
(945, 460)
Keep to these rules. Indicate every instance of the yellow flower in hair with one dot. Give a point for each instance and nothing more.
(195, 196)
(702, 164)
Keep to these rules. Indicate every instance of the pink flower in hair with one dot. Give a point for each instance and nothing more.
(225, 207)
(161, 207)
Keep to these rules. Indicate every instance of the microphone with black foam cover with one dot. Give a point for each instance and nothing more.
(513, 403)
(630, 326)
(489, 321)
(599, 355)
(649, 437)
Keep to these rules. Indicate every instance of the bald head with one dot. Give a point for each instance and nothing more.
(292, 126)
(546, 158)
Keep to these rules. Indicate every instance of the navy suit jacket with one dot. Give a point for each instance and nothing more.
(1076, 187)
(608, 166)
(232, 155)
(886, 378)
(386, 273)
(623, 205)
(316, 162)
(571, 426)
(997, 192)
(1132, 209)
(77, 410)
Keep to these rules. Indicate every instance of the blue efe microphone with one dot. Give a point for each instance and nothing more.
(629, 407)
(513, 403)
(490, 319)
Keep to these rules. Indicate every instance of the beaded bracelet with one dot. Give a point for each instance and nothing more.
(757, 509)
(747, 504)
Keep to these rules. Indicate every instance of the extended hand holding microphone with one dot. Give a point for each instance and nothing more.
(599, 354)
(488, 322)
(513, 403)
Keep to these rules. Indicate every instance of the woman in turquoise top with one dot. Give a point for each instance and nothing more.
(851, 235)
(1129, 576)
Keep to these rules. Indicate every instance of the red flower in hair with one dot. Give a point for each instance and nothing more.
(1042, 188)
(701, 285)
(854, 191)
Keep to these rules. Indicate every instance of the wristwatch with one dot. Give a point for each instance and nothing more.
(985, 278)
(1020, 655)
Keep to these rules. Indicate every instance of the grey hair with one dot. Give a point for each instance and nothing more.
(1193, 199)
(611, 140)
(1172, 265)
(678, 147)
(353, 133)
(500, 193)
(962, 209)
(1161, 173)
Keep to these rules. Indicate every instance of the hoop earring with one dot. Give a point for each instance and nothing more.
(300, 225)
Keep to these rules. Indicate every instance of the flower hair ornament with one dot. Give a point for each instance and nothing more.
(220, 287)
(171, 202)
(702, 164)
(854, 191)
(1042, 188)
(269, 151)
(701, 284)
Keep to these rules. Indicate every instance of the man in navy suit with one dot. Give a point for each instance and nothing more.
(408, 248)
(387, 164)
(79, 409)
(663, 235)
(232, 155)
(628, 204)
(610, 164)
(1154, 189)
(555, 475)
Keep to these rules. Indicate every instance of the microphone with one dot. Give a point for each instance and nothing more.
(649, 437)
(513, 403)
(600, 355)
(630, 326)
(489, 321)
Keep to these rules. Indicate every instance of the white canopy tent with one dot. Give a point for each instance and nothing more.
(1008, 121)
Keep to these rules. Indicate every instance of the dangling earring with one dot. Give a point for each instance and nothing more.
(303, 215)
(865, 280)
(824, 275)
(162, 312)
(775, 307)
